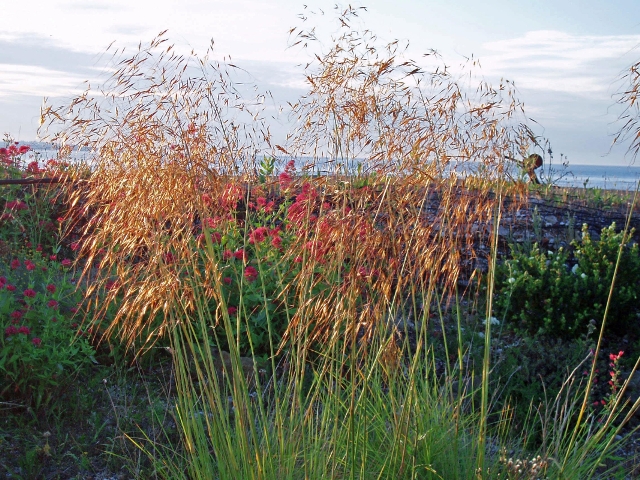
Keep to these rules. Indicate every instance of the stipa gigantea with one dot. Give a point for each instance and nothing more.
(161, 138)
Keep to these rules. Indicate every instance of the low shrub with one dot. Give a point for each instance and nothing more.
(560, 292)
(41, 345)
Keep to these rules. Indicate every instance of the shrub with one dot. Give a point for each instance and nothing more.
(41, 345)
(559, 293)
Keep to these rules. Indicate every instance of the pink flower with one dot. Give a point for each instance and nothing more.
(30, 265)
(206, 199)
(29, 293)
(227, 254)
(232, 310)
(276, 242)
(16, 314)
(10, 330)
(52, 304)
(227, 280)
(250, 273)
(51, 288)
(66, 262)
(36, 341)
(3, 280)
(75, 246)
(15, 263)
(52, 257)
(24, 330)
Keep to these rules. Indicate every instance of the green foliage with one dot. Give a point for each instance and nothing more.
(41, 346)
(560, 294)
(28, 213)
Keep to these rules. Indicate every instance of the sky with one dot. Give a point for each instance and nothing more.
(565, 57)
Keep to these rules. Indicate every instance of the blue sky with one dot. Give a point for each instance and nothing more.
(565, 57)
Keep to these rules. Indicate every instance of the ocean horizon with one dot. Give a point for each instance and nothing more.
(607, 177)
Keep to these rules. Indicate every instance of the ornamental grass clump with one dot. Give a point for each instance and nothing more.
(203, 245)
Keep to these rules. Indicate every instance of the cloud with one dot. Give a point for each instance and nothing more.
(554, 61)
(35, 80)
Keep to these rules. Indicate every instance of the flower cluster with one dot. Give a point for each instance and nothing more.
(9, 154)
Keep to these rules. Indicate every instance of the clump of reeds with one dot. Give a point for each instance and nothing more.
(387, 227)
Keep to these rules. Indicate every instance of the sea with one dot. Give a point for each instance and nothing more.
(607, 177)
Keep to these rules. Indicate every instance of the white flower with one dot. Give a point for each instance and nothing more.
(583, 275)
(574, 270)
(493, 320)
(481, 334)
(511, 280)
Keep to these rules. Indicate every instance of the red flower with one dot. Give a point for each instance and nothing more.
(30, 265)
(111, 284)
(23, 149)
(75, 246)
(39, 248)
(24, 330)
(52, 257)
(206, 199)
(285, 180)
(36, 341)
(10, 330)
(15, 263)
(16, 314)
(11, 288)
(258, 235)
(29, 293)
(232, 310)
(227, 280)
(51, 288)
(240, 254)
(66, 262)
(227, 254)
(16, 205)
(276, 242)
(216, 237)
(52, 304)
(33, 166)
(3, 280)
(250, 273)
